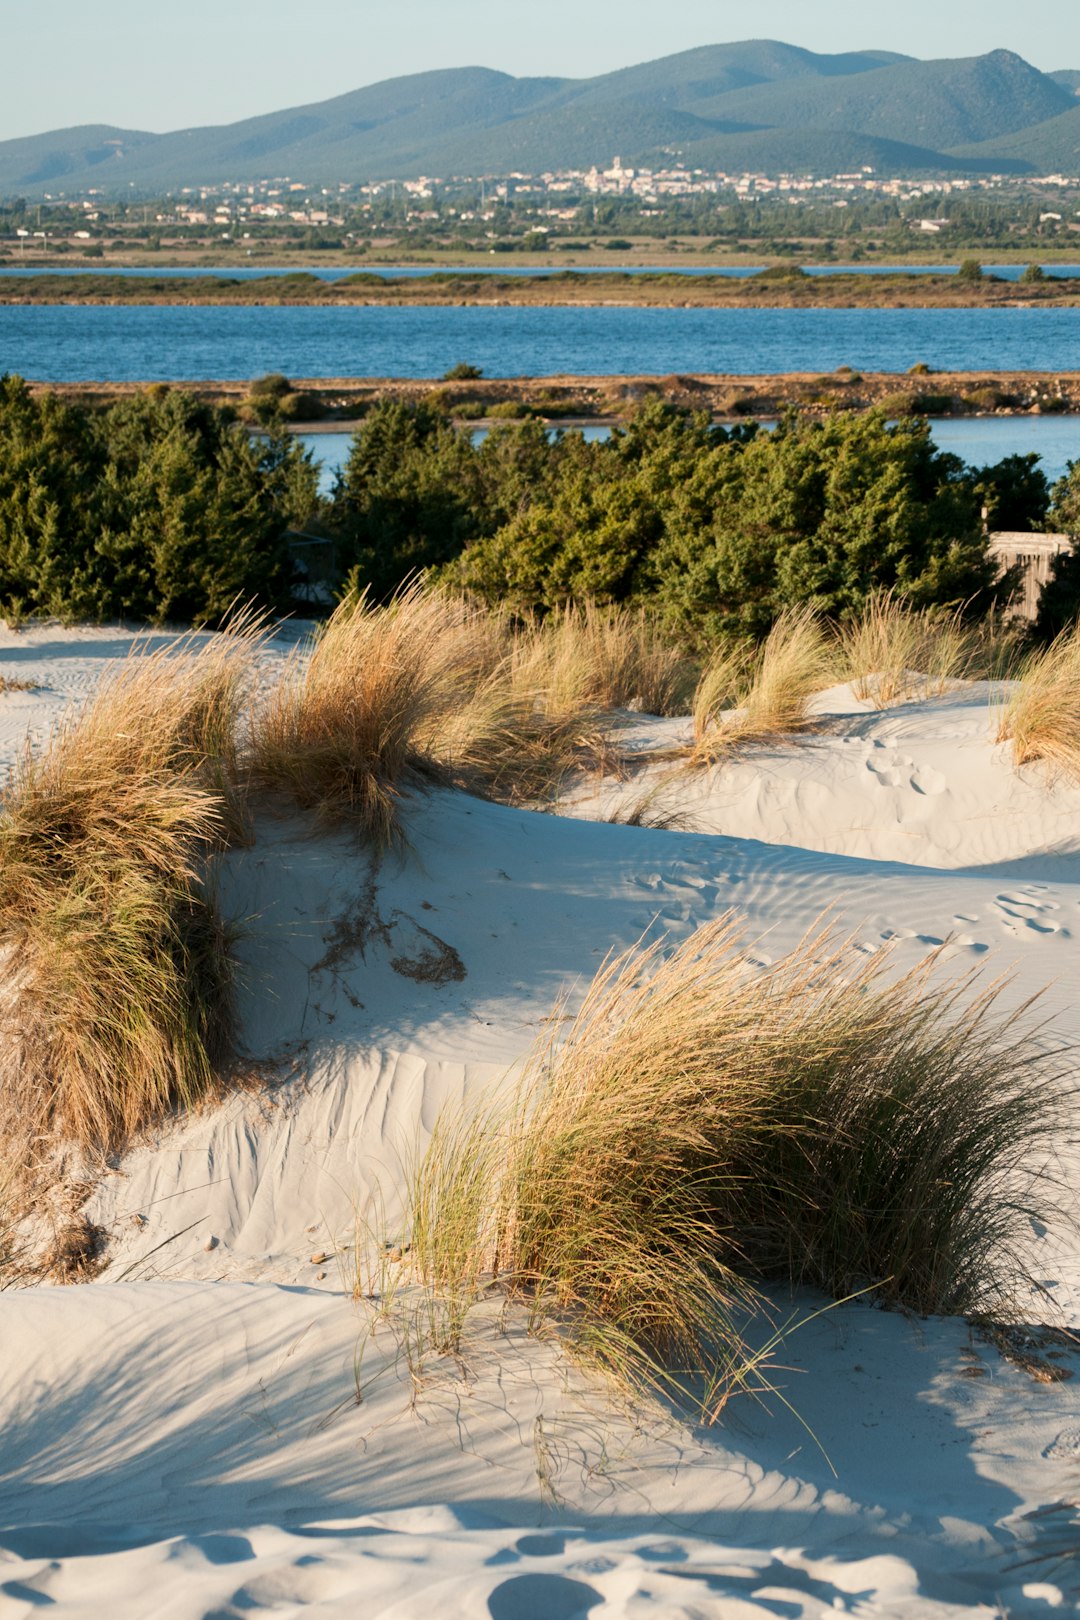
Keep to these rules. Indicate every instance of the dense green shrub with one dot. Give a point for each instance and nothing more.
(1059, 604)
(161, 508)
(1014, 493)
(415, 491)
(987, 397)
(158, 508)
(722, 530)
(780, 272)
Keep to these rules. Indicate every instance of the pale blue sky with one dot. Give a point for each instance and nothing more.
(164, 64)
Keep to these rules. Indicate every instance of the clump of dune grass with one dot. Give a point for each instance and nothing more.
(893, 653)
(605, 658)
(722, 686)
(1042, 718)
(428, 687)
(750, 696)
(882, 650)
(118, 993)
(908, 1143)
(339, 733)
(587, 1196)
(703, 1123)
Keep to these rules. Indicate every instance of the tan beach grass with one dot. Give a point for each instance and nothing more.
(703, 1123)
(767, 688)
(118, 1003)
(1042, 719)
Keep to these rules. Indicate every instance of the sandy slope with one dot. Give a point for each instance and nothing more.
(182, 1438)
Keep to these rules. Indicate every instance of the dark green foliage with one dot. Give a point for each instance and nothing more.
(1014, 493)
(921, 403)
(159, 508)
(463, 372)
(825, 512)
(987, 397)
(415, 491)
(275, 385)
(722, 531)
(402, 503)
(970, 270)
(1059, 604)
(780, 272)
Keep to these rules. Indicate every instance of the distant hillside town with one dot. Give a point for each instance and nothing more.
(620, 207)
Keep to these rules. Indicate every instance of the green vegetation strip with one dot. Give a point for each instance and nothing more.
(781, 286)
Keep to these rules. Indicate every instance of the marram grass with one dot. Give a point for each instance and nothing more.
(702, 1125)
(1042, 718)
(118, 994)
(428, 687)
(767, 688)
(893, 653)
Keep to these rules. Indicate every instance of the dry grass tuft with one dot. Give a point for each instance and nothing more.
(1042, 719)
(701, 1122)
(340, 734)
(766, 689)
(9, 1226)
(605, 658)
(910, 1136)
(118, 1001)
(429, 687)
(893, 653)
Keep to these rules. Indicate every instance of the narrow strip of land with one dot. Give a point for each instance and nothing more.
(315, 402)
(788, 289)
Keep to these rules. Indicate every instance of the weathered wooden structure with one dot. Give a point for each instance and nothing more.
(1035, 553)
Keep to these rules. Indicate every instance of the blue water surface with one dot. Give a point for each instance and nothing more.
(116, 343)
(979, 441)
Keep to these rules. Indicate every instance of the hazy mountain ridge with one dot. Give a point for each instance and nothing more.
(940, 105)
(1052, 147)
(755, 104)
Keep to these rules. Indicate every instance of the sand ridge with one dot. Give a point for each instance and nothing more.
(182, 1437)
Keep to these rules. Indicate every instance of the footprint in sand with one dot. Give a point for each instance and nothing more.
(897, 770)
(1066, 1448)
(542, 1597)
(1021, 911)
(927, 781)
(953, 945)
(893, 935)
(542, 1546)
(889, 768)
(967, 942)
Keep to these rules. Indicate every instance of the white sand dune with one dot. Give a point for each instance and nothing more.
(183, 1438)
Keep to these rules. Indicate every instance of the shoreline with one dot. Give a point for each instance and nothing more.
(570, 288)
(322, 404)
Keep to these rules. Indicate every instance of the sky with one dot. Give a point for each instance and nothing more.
(160, 65)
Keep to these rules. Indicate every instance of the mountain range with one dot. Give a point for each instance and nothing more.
(758, 105)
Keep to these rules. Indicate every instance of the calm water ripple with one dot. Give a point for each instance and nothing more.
(55, 343)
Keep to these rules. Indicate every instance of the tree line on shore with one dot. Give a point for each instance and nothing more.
(164, 509)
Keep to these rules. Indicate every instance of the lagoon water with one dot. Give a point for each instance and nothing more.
(979, 441)
(56, 343)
